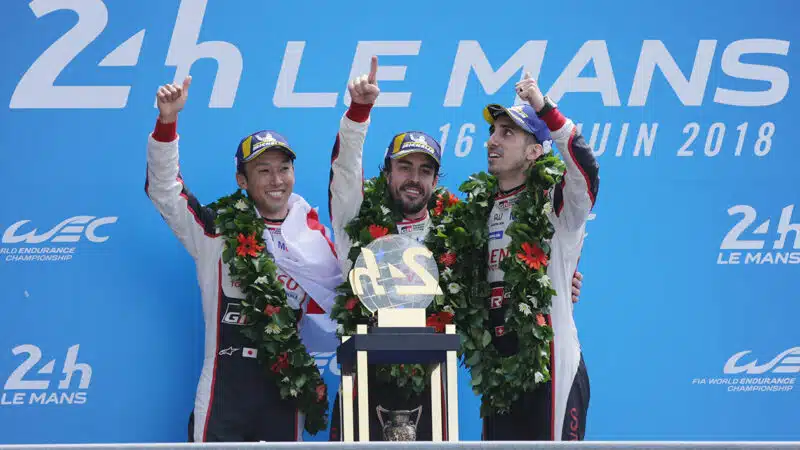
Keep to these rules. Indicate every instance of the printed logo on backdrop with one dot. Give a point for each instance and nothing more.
(326, 362)
(759, 239)
(745, 372)
(61, 380)
(36, 88)
(23, 242)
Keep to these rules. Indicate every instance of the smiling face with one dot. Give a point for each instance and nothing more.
(269, 181)
(411, 181)
(510, 149)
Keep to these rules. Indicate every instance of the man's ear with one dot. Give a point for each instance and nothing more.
(533, 151)
(241, 180)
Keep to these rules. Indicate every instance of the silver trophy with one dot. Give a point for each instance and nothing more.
(398, 425)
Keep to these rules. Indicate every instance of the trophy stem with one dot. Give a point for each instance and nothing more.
(451, 380)
(346, 403)
(409, 317)
(363, 390)
(436, 402)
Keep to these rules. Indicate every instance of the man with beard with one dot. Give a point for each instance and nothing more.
(411, 165)
(557, 409)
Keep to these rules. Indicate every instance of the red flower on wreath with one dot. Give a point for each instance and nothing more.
(270, 310)
(439, 320)
(351, 303)
(448, 259)
(282, 363)
(443, 202)
(377, 231)
(532, 256)
(540, 320)
(248, 246)
(322, 392)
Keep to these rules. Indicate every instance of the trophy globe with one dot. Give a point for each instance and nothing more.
(396, 273)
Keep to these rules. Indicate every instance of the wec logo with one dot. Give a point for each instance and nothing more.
(786, 362)
(69, 230)
(746, 375)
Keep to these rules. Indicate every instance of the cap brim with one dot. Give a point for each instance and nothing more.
(493, 111)
(280, 147)
(403, 153)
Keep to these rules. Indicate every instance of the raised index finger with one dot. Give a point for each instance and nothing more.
(373, 70)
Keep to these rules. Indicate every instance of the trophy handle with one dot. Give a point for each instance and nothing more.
(417, 410)
(379, 410)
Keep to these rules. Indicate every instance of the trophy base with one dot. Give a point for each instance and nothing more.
(398, 344)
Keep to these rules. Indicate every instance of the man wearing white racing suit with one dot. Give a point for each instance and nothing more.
(556, 410)
(235, 401)
(411, 165)
(412, 174)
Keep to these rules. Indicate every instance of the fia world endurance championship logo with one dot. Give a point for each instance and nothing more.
(743, 373)
(23, 242)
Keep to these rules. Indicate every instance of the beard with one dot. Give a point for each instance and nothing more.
(411, 207)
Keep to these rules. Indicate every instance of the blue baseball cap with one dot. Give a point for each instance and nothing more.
(259, 142)
(413, 142)
(524, 116)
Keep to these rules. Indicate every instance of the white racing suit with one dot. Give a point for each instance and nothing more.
(557, 410)
(235, 401)
(345, 196)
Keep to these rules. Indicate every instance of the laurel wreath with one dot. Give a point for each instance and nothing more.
(377, 217)
(501, 380)
(271, 323)
(458, 240)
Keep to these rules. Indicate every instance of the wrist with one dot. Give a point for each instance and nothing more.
(165, 131)
(168, 118)
(547, 105)
(359, 112)
(538, 103)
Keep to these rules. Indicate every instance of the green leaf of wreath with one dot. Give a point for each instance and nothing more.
(280, 349)
(498, 379)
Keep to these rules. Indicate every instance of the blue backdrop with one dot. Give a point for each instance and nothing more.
(691, 257)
